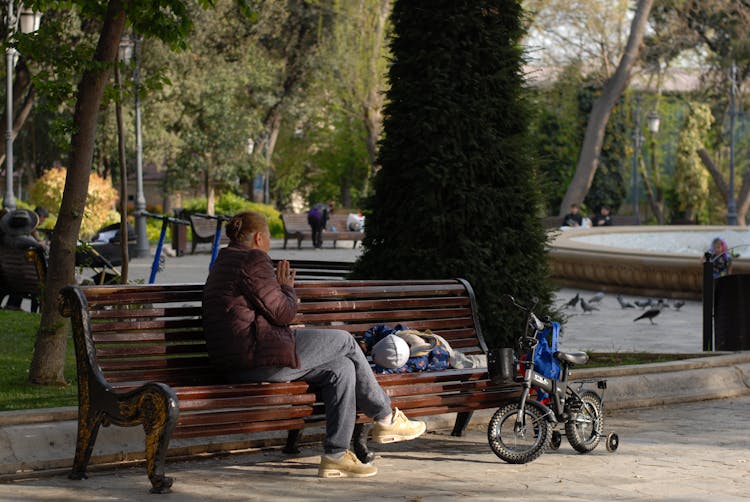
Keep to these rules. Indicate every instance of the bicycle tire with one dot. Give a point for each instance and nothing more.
(524, 445)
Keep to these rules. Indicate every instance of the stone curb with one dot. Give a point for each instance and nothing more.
(44, 440)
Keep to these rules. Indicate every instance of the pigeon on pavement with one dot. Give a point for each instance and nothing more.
(573, 302)
(586, 306)
(677, 304)
(644, 303)
(597, 297)
(624, 303)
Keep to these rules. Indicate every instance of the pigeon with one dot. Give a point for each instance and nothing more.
(624, 303)
(651, 313)
(586, 307)
(644, 303)
(597, 297)
(677, 304)
(573, 302)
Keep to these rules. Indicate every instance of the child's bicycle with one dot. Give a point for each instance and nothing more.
(520, 431)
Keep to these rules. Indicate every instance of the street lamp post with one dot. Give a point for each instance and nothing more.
(653, 126)
(29, 24)
(731, 203)
(142, 244)
(636, 149)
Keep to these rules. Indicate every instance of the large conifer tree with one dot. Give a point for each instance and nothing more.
(455, 196)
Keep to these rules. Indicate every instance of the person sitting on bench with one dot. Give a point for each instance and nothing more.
(247, 309)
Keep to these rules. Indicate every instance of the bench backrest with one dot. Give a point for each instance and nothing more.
(154, 332)
(205, 228)
(295, 223)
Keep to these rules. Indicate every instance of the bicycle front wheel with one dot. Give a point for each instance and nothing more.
(519, 442)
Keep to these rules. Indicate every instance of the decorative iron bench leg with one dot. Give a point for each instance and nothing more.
(88, 428)
(160, 414)
(293, 438)
(462, 421)
(359, 443)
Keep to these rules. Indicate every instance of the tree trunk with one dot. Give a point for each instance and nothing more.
(657, 205)
(49, 350)
(210, 191)
(373, 104)
(743, 198)
(588, 160)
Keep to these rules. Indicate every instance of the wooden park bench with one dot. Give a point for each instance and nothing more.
(22, 273)
(203, 230)
(341, 232)
(296, 227)
(142, 360)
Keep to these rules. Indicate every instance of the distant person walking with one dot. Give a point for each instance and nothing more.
(317, 218)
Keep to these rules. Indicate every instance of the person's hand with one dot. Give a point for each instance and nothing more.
(284, 273)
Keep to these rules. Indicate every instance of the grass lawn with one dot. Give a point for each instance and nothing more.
(18, 333)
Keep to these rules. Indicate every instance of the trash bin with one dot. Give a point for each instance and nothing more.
(501, 365)
(179, 233)
(731, 316)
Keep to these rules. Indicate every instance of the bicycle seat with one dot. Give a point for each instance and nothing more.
(572, 357)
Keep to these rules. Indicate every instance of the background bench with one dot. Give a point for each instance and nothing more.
(127, 336)
(296, 227)
(22, 272)
(202, 231)
(342, 233)
(549, 222)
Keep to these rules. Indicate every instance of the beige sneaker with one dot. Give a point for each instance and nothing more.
(347, 466)
(400, 429)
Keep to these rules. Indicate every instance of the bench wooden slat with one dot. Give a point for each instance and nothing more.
(149, 336)
(375, 316)
(232, 418)
(246, 402)
(246, 389)
(382, 304)
(239, 428)
(192, 311)
(137, 324)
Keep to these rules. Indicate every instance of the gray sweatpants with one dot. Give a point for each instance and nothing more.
(331, 360)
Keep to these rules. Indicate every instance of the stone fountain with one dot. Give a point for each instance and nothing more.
(642, 260)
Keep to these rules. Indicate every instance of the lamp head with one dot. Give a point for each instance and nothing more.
(653, 121)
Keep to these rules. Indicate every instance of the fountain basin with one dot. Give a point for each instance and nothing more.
(641, 260)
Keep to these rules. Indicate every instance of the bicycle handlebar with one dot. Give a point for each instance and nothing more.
(162, 217)
(221, 217)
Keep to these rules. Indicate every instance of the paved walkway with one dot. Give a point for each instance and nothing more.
(688, 452)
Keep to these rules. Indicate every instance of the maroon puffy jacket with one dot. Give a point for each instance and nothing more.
(246, 312)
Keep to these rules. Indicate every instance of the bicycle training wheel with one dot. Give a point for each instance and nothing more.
(522, 443)
(584, 428)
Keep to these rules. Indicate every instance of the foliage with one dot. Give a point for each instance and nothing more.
(17, 330)
(229, 204)
(455, 196)
(690, 178)
(47, 191)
